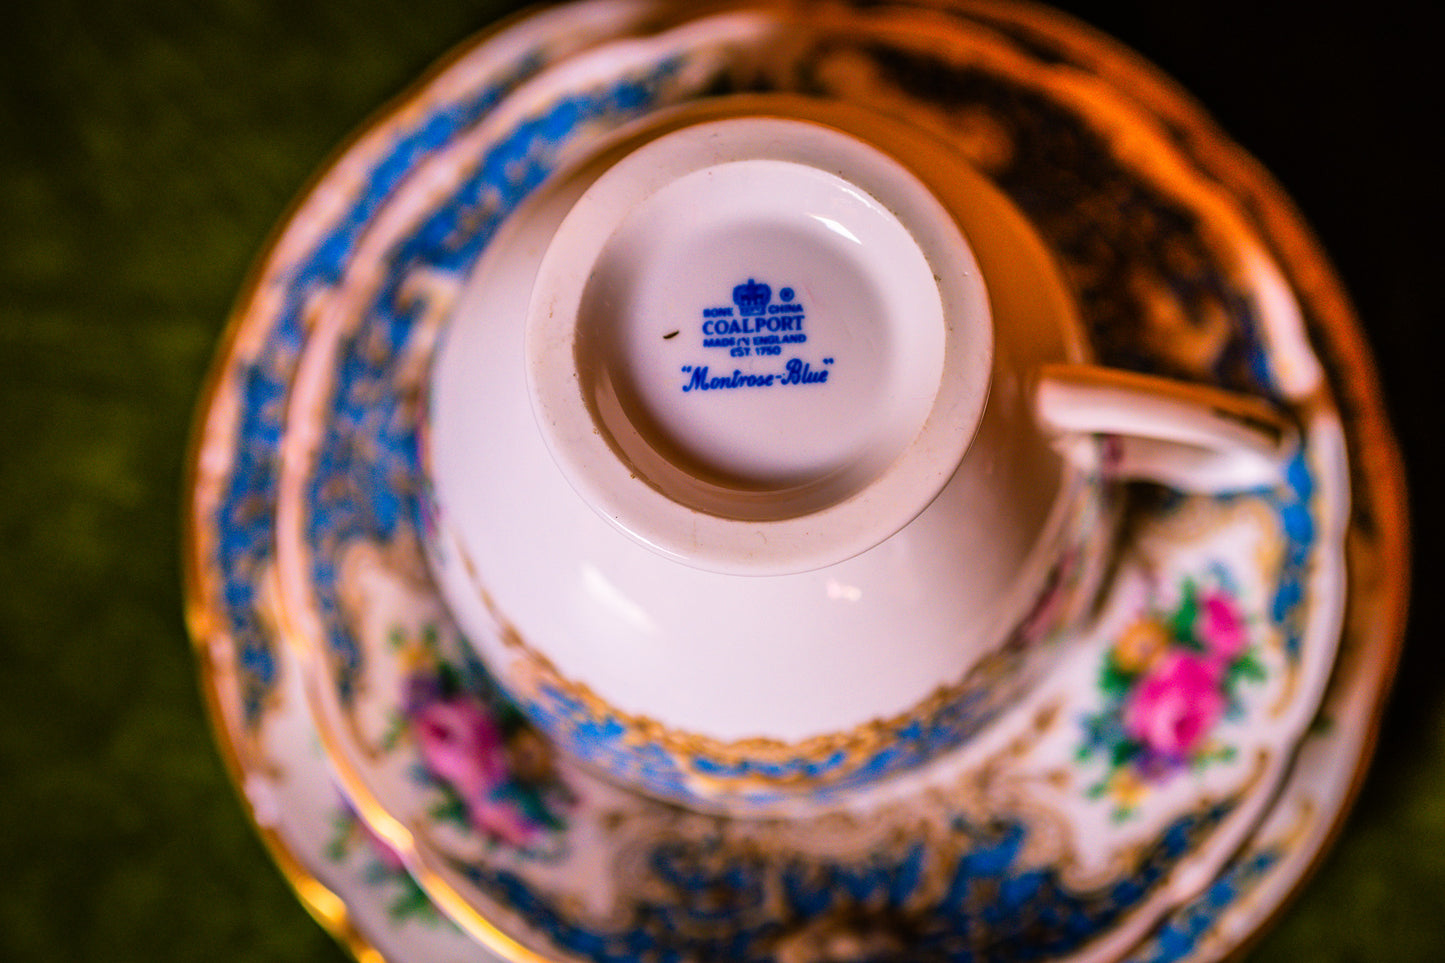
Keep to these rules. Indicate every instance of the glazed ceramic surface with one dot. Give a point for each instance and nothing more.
(723, 446)
(516, 812)
(772, 685)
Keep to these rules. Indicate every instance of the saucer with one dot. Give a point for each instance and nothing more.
(1109, 797)
(541, 825)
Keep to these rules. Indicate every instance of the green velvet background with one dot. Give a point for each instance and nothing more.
(145, 152)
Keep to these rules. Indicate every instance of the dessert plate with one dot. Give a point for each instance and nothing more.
(512, 814)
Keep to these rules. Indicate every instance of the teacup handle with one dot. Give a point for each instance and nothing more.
(1191, 437)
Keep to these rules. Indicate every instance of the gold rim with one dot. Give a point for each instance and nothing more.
(1380, 505)
(204, 629)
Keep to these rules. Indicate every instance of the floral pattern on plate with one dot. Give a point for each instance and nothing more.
(497, 776)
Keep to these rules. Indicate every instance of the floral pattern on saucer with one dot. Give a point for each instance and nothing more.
(1169, 678)
(972, 851)
(497, 776)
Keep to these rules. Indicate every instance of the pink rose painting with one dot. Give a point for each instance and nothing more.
(1167, 681)
(462, 745)
(1220, 626)
(1175, 705)
(495, 773)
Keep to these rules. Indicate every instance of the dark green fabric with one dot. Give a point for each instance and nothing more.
(145, 153)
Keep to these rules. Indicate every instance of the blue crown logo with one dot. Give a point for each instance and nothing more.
(752, 298)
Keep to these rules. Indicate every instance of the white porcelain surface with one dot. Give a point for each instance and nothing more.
(1190, 437)
(756, 427)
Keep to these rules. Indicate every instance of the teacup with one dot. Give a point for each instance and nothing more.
(765, 460)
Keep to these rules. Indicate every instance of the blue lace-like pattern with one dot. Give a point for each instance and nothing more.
(244, 523)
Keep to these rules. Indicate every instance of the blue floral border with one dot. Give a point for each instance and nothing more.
(244, 520)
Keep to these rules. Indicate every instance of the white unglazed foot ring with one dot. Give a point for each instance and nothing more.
(758, 345)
